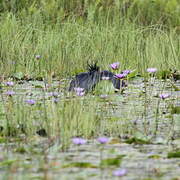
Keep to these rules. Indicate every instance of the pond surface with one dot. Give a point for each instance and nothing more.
(142, 129)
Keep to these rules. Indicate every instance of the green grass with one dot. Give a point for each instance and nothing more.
(66, 41)
(66, 47)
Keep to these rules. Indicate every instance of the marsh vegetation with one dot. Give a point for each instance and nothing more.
(47, 132)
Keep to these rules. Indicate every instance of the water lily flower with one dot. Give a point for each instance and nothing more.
(9, 83)
(120, 76)
(164, 96)
(56, 100)
(126, 72)
(78, 141)
(115, 65)
(120, 172)
(30, 101)
(151, 70)
(103, 140)
(79, 91)
(10, 93)
(37, 56)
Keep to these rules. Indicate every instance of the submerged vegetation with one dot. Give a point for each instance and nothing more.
(47, 132)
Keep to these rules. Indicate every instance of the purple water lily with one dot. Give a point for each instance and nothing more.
(79, 91)
(115, 65)
(10, 93)
(103, 140)
(164, 96)
(9, 83)
(37, 56)
(78, 141)
(151, 70)
(120, 172)
(30, 101)
(126, 71)
(56, 100)
(120, 76)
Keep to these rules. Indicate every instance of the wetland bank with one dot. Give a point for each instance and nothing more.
(47, 132)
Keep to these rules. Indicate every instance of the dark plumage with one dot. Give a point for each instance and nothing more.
(88, 80)
(117, 83)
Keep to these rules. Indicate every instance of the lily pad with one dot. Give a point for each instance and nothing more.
(18, 75)
(132, 74)
(80, 165)
(112, 161)
(154, 156)
(175, 154)
(7, 162)
(135, 140)
(175, 110)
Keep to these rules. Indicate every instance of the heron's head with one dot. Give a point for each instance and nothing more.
(93, 68)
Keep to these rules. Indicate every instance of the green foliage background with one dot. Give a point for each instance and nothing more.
(140, 11)
(68, 33)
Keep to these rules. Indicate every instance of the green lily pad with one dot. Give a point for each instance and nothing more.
(112, 161)
(37, 84)
(175, 110)
(164, 74)
(80, 165)
(18, 75)
(154, 156)
(2, 140)
(175, 154)
(135, 140)
(132, 74)
(7, 162)
(21, 150)
(175, 87)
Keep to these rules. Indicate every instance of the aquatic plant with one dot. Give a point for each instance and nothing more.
(79, 91)
(38, 56)
(152, 70)
(78, 141)
(30, 101)
(164, 96)
(121, 76)
(103, 140)
(9, 83)
(120, 172)
(10, 93)
(115, 65)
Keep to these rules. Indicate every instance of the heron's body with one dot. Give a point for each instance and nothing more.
(88, 80)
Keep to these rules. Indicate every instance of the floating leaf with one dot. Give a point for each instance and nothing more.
(21, 150)
(114, 141)
(112, 161)
(164, 74)
(175, 154)
(132, 74)
(175, 110)
(154, 156)
(18, 75)
(175, 87)
(135, 140)
(7, 162)
(37, 84)
(2, 140)
(80, 165)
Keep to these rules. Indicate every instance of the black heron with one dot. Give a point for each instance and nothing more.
(88, 80)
